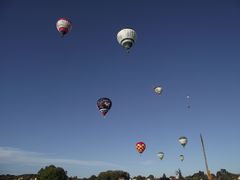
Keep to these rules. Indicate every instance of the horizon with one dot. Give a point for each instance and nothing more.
(171, 175)
(50, 86)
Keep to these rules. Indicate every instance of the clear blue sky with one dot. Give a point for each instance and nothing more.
(49, 86)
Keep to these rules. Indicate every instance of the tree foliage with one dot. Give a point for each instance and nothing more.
(140, 177)
(93, 177)
(223, 174)
(164, 177)
(52, 173)
(113, 175)
(56, 173)
(151, 177)
(197, 176)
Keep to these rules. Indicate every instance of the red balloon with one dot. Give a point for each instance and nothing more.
(140, 146)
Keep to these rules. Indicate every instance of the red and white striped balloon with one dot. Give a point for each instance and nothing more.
(63, 26)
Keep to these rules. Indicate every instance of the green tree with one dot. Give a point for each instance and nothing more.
(52, 173)
(93, 177)
(113, 175)
(164, 177)
(199, 175)
(73, 178)
(150, 177)
(140, 177)
(223, 174)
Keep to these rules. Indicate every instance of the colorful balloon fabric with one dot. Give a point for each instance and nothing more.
(63, 26)
(104, 105)
(140, 147)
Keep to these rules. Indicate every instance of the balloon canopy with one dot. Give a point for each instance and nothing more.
(181, 157)
(158, 90)
(160, 155)
(188, 102)
(126, 38)
(140, 147)
(183, 141)
(63, 26)
(104, 105)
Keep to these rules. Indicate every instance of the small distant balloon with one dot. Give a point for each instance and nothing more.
(188, 99)
(104, 105)
(160, 155)
(181, 157)
(183, 141)
(63, 26)
(140, 147)
(158, 90)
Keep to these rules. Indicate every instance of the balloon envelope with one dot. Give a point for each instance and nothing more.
(140, 147)
(126, 38)
(63, 26)
(183, 141)
(104, 105)
(158, 90)
(188, 99)
(160, 155)
(181, 157)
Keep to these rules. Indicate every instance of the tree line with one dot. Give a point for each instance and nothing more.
(57, 173)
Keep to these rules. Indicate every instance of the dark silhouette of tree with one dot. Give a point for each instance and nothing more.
(113, 175)
(150, 177)
(179, 174)
(197, 176)
(140, 177)
(73, 178)
(164, 177)
(223, 174)
(93, 177)
(52, 173)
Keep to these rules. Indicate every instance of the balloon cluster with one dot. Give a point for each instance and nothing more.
(183, 141)
(126, 38)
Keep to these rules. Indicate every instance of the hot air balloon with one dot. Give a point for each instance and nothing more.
(63, 26)
(183, 141)
(126, 38)
(188, 101)
(181, 157)
(160, 155)
(104, 105)
(158, 90)
(140, 147)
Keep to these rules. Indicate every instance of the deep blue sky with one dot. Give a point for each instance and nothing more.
(49, 86)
